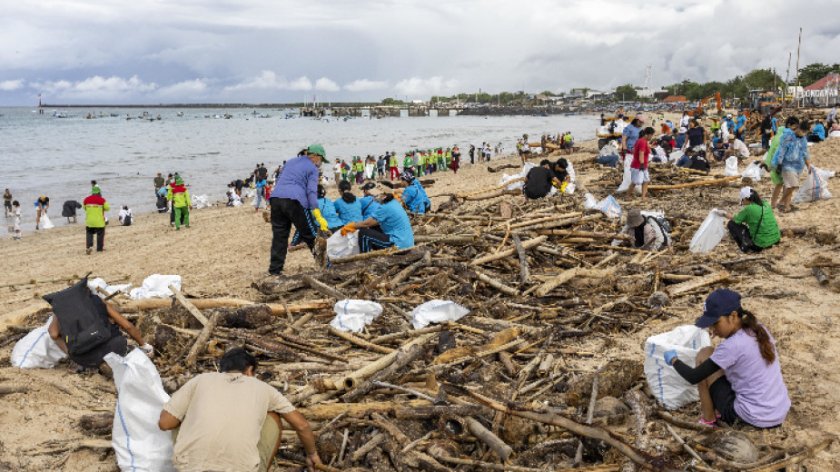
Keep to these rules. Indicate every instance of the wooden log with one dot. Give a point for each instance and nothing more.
(696, 183)
(583, 234)
(570, 274)
(323, 288)
(452, 239)
(136, 306)
(494, 169)
(201, 341)
(359, 341)
(697, 282)
(372, 254)
(372, 444)
(189, 306)
(509, 252)
(617, 442)
(491, 189)
(524, 270)
(614, 378)
(499, 447)
(10, 389)
(99, 424)
(496, 284)
(495, 194)
(404, 358)
(545, 365)
(328, 411)
(438, 454)
(557, 223)
(406, 273)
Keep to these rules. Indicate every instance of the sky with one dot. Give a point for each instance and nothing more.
(273, 51)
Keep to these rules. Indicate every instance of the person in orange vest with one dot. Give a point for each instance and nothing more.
(95, 208)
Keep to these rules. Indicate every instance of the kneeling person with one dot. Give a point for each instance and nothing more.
(229, 420)
(647, 232)
(392, 219)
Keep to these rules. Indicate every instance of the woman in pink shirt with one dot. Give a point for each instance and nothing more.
(639, 174)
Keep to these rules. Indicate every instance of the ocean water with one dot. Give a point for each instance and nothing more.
(58, 157)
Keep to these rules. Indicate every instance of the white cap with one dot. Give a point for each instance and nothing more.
(683, 130)
(745, 192)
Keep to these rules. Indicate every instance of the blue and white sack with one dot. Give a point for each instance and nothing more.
(669, 388)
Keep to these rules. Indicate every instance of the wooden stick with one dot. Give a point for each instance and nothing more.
(794, 459)
(491, 189)
(9, 389)
(406, 273)
(404, 358)
(509, 252)
(496, 284)
(685, 446)
(524, 270)
(372, 444)
(568, 275)
(359, 341)
(372, 254)
(697, 282)
(189, 306)
(499, 447)
(480, 465)
(593, 397)
(135, 306)
(323, 288)
(201, 341)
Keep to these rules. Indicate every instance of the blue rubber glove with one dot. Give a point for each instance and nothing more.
(670, 356)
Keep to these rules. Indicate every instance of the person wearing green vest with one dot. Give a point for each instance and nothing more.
(754, 228)
(95, 208)
(181, 203)
(775, 177)
(359, 168)
(408, 162)
(393, 166)
(421, 163)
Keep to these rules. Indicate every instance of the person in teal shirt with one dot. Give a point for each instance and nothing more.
(327, 208)
(368, 201)
(394, 223)
(754, 228)
(348, 207)
(414, 196)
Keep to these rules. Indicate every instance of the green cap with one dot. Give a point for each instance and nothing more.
(95, 190)
(179, 181)
(319, 150)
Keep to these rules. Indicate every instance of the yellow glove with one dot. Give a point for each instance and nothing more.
(348, 228)
(398, 195)
(320, 219)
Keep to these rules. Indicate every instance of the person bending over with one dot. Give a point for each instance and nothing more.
(393, 221)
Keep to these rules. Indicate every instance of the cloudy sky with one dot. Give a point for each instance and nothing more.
(165, 51)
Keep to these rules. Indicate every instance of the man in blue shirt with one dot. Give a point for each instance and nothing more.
(369, 203)
(740, 125)
(294, 202)
(790, 159)
(629, 136)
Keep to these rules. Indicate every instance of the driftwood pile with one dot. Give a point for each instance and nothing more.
(521, 383)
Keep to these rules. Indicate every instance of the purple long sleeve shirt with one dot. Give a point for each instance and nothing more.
(298, 181)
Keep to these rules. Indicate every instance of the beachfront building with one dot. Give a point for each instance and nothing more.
(824, 92)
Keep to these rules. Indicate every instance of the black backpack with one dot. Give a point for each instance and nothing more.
(262, 173)
(82, 316)
(664, 226)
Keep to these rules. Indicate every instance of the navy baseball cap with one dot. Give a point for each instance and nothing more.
(719, 303)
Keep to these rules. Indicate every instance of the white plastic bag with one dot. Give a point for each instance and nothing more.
(140, 446)
(45, 222)
(342, 246)
(108, 289)
(200, 201)
(667, 385)
(516, 185)
(625, 180)
(436, 311)
(354, 315)
(37, 350)
(156, 286)
(675, 156)
(589, 201)
(753, 172)
(815, 187)
(710, 233)
(609, 206)
(731, 166)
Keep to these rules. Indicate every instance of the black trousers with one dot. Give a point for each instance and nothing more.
(741, 235)
(100, 238)
(286, 213)
(372, 240)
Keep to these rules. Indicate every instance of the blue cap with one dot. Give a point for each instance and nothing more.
(719, 303)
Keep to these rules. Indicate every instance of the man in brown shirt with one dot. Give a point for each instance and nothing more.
(230, 421)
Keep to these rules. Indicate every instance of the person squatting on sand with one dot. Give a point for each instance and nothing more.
(740, 380)
(230, 420)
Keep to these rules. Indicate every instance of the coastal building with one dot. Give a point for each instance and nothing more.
(824, 92)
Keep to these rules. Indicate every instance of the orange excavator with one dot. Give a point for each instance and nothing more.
(704, 102)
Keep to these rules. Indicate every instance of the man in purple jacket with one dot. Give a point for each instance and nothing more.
(294, 201)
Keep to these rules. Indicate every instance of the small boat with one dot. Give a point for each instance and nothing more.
(180, 113)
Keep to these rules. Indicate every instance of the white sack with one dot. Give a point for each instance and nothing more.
(45, 222)
(437, 311)
(731, 166)
(140, 446)
(156, 286)
(814, 187)
(200, 201)
(609, 206)
(108, 289)
(625, 181)
(753, 172)
(37, 350)
(354, 315)
(710, 233)
(342, 246)
(669, 388)
(516, 185)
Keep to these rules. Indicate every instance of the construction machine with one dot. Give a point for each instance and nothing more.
(704, 102)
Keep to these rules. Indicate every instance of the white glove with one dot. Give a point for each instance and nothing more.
(148, 349)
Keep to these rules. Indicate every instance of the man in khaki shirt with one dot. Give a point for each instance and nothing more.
(230, 421)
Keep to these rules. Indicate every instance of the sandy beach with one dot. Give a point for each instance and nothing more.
(227, 249)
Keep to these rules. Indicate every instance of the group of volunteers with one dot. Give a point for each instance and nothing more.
(420, 161)
(299, 200)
